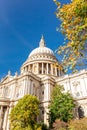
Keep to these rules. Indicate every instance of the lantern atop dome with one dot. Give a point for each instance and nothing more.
(42, 42)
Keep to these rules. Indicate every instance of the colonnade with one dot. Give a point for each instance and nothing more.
(4, 110)
(43, 68)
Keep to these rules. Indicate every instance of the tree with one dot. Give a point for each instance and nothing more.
(73, 18)
(43, 126)
(61, 106)
(23, 115)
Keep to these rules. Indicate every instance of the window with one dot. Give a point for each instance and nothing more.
(80, 112)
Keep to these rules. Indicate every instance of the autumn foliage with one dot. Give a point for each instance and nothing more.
(73, 18)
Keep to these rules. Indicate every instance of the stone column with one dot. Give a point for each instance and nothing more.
(1, 117)
(32, 87)
(5, 119)
(26, 69)
(37, 68)
(23, 69)
(26, 86)
(29, 67)
(46, 91)
(56, 71)
(9, 111)
(29, 87)
(46, 116)
(52, 69)
(8, 121)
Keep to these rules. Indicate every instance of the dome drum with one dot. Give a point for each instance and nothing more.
(42, 68)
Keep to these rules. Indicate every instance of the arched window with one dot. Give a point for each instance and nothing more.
(80, 112)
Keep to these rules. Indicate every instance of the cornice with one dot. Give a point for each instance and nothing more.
(72, 76)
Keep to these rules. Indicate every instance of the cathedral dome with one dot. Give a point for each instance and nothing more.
(41, 61)
(42, 49)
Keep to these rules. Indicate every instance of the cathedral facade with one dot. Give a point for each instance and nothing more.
(38, 76)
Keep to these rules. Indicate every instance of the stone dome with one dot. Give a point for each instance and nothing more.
(42, 49)
(41, 61)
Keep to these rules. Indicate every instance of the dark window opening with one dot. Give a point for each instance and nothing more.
(80, 112)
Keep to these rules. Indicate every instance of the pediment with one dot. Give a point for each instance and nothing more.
(5, 79)
(48, 78)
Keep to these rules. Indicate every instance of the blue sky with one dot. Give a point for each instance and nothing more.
(22, 22)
